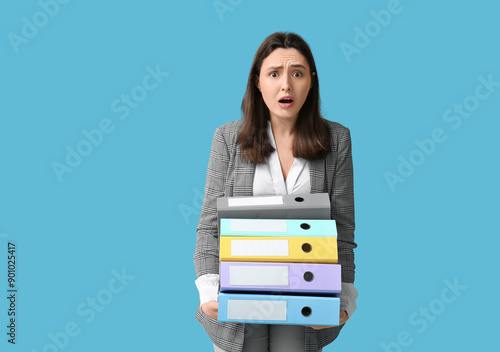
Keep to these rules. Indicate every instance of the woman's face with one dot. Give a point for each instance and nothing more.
(284, 82)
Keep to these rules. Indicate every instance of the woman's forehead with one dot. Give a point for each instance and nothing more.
(282, 56)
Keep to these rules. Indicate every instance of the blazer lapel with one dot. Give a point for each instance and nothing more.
(317, 174)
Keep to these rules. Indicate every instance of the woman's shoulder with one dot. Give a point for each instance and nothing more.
(338, 133)
(336, 128)
(230, 130)
(231, 126)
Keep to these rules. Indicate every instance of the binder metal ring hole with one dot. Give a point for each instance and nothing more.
(308, 276)
(306, 311)
(306, 247)
(305, 226)
(299, 199)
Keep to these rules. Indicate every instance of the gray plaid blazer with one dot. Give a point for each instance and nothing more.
(229, 175)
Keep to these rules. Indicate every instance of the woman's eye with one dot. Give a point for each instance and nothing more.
(297, 74)
(274, 74)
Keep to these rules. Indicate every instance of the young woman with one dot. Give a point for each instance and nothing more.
(281, 146)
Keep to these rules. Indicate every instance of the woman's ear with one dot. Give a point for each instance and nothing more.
(312, 74)
(256, 80)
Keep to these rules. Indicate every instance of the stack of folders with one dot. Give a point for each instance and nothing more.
(278, 260)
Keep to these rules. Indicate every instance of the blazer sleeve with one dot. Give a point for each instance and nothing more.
(206, 257)
(342, 205)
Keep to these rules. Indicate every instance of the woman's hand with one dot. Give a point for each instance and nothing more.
(343, 317)
(211, 309)
(342, 320)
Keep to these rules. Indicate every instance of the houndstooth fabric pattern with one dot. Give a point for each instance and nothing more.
(228, 175)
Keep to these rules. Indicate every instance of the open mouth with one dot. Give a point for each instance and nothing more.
(285, 102)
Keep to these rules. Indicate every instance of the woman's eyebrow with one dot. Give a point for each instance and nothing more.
(280, 67)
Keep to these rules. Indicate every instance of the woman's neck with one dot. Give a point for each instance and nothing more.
(282, 127)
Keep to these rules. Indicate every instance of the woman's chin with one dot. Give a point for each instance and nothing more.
(285, 114)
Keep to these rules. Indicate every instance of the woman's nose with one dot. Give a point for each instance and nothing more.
(285, 84)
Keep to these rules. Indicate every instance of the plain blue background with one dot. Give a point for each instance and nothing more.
(133, 202)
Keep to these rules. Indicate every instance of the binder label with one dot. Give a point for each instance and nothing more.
(254, 201)
(252, 225)
(278, 248)
(256, 310)
(261, 275)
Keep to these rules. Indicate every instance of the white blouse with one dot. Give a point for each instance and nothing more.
(268, 180)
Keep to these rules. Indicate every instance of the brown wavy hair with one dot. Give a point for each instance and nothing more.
(311, 135)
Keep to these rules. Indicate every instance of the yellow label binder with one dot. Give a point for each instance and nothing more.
(279, 249)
